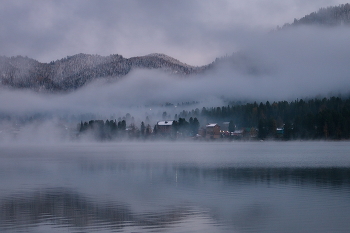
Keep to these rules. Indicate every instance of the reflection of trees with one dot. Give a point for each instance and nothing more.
(65, 208)
(335, 176)
(320, 176)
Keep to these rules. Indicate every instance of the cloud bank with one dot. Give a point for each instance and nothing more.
(296, 63)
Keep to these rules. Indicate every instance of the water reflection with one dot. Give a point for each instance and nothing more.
(108, 188)
(66, 208)
(335, 176)
(184, 173)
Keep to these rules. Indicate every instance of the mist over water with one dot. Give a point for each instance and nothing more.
(172, 187)
(54, 181)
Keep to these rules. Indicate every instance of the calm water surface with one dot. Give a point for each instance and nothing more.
(176, 187)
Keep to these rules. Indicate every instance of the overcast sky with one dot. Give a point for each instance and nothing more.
(193, 31)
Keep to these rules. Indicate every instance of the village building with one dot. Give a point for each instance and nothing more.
(165, 127)
(279, 132)
(245, 133)
(237, 134)
(212, 131)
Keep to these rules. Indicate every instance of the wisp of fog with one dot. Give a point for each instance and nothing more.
(283, 65)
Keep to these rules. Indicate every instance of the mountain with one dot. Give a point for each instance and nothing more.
(330, 16)
(75, 71)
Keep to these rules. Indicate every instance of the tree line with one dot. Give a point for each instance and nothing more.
(113, 129)
(330, 16)
(327, 118)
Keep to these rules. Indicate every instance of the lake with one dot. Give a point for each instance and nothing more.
(175, 187)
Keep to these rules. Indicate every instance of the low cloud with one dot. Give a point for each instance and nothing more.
(296, 63)
(302, 62)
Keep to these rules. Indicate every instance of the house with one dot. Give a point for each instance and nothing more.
(279, 132)
(237, 134)
(245, 133)
(212, 131)
(165, 127)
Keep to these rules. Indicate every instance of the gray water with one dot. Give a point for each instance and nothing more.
(176, 187)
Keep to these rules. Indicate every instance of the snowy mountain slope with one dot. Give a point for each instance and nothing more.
(75, 71)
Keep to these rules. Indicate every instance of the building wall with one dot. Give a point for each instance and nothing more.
(213, 132)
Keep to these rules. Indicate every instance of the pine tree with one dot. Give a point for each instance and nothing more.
(143, 128)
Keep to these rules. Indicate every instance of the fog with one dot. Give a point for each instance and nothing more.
(60, 174)
(302, 62)
(299, 63)
(284, 65)
(252, 185)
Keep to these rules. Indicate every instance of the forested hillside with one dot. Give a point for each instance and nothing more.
(330, 16)
(300, 119)
(75, 71)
